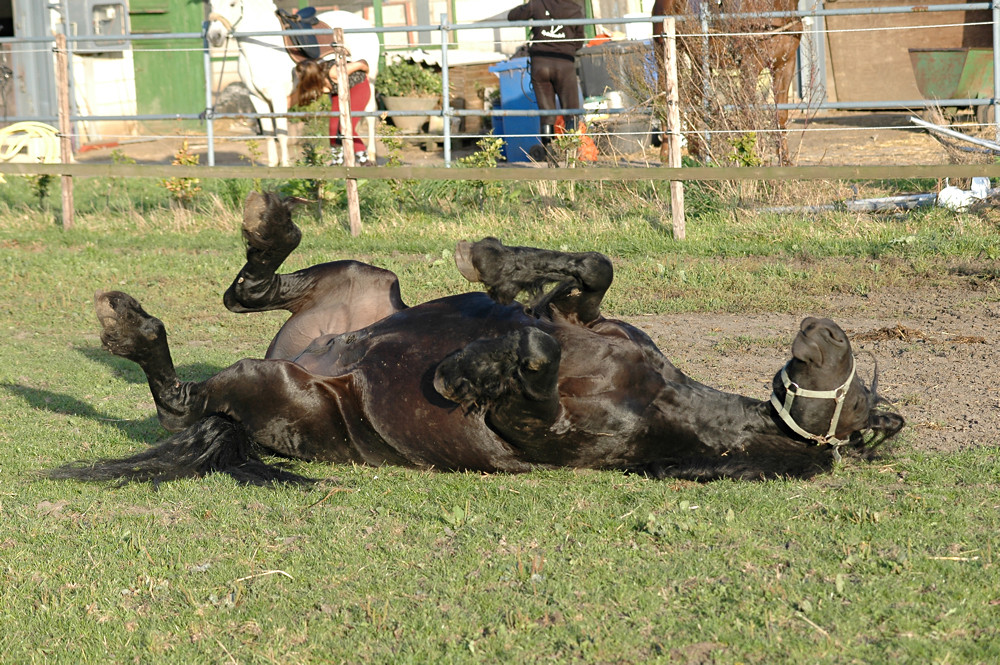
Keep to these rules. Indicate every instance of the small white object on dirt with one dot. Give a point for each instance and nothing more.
(959, 200)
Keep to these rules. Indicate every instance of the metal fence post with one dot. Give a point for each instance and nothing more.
(445, 97)
(706, 67)
(209, 107)
(996, 69)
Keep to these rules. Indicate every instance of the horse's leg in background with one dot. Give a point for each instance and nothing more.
(782, 73)
(279, 102)
(261, 106)
(581, 279)
(330, 298)
(659, 53)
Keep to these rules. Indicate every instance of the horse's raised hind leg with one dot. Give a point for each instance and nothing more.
(237, 392)
(325, 299)
(580, 279)
(222, 423)
(270, 235)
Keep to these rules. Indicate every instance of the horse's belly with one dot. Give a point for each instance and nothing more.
(393, 362)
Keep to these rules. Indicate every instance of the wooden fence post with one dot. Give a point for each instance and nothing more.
(346, 130)
(65, 128)
(673, 133)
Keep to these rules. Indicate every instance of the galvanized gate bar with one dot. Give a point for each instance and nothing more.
(445, 27)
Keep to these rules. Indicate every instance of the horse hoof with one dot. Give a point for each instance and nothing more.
(113, 307)
(267, 222)
(463, 261)
(102, 304)
(126, 328)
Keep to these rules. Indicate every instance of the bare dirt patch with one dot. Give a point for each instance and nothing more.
(937, 352)
(852, 138)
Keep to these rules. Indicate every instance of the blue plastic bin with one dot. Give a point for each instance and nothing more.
(519, 133)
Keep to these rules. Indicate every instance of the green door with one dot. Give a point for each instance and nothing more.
(169, 73)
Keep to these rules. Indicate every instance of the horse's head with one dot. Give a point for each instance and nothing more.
(223, 17)
(818, 393)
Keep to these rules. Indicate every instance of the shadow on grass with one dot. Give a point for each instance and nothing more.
(146, 430)
(126, 370)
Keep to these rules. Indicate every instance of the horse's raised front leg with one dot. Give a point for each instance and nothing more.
(580, 279)
(129, 332)
(512, 380)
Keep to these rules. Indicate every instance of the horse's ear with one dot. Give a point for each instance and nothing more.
(293, 202)
(885, 423)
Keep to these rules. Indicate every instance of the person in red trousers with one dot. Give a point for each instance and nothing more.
(315, 78)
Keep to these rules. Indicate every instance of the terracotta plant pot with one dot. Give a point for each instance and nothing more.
(410, 124)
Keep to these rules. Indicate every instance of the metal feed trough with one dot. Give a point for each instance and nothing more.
(955, 73)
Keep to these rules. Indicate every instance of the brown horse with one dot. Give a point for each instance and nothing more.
(772, 47)
(473, 381)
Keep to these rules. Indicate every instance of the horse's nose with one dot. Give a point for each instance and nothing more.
(808, 324)
(215, 34)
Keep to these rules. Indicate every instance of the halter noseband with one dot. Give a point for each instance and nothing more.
(230, 27)
(793, 390)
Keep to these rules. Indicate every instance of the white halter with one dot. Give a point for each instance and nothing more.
(230, 27)
(793, 390)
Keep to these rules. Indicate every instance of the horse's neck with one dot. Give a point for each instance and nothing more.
(259, 15)
(718, 420)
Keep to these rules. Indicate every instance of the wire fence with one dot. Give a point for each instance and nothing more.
(447, 34)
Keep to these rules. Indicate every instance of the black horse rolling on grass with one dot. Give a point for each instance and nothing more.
(475, 381)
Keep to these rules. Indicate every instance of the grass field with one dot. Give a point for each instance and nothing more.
(888, 562)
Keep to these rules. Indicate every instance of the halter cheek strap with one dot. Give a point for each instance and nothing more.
(793, 390)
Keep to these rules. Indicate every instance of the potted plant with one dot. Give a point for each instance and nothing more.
(408, 86)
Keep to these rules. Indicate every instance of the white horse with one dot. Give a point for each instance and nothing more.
(267, 70)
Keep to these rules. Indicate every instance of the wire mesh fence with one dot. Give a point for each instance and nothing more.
(638, 127)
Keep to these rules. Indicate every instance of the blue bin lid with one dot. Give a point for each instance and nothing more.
(507, 65)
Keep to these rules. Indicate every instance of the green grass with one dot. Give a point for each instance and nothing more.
(894, 561)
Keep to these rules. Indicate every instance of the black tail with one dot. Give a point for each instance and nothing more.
(212, 445)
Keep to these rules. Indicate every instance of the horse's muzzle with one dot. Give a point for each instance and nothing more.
(216, 34)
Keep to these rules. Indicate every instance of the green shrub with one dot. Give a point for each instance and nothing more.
(408, 79)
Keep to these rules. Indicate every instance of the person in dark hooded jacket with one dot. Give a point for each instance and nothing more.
(552, 53)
